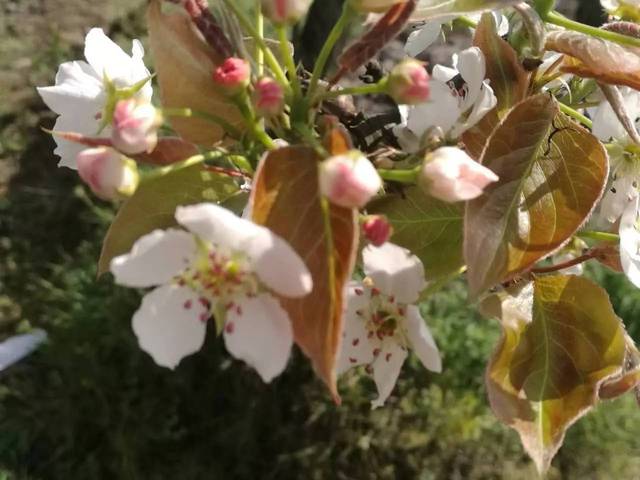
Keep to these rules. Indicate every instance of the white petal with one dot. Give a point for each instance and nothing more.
(421, 340)
(423, 37)
(630, 243)
(273, 260)
(617, 197)
(155, 259)
(442, 110)
(104, 55)
(170, 324)
(606, 125)
(260, 334)
(80, 122)
(278, 265)
(471, 66)
(443, 74)
(395, 271)
(485, 102)
(357, 348)
(76, 87)
(15, 348)
(386, 369)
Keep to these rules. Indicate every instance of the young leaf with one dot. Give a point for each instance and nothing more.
(430, 228)
(437, 8)
(154, 204)
(184, 64)
(592, 57)
(286, 199)
(560, 342)
(552, 172)
(387, 28)
(508, 79)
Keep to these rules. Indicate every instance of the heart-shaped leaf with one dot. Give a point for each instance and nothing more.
(605, 61)
(552, 172)
(154, 204)
(184, 64)
(430, 228)
(561, 341)
(287, 200)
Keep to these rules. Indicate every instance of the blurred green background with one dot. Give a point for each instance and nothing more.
(91, 405)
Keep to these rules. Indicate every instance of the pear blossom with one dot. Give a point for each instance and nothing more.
(109, 174)
(81, 96)
(624, 154)
(233, 75)
(382, 321)
(409, 82)
(221, 265)
(377, 229)
(135, 127)
(285, 11)
(268, 97)
(349, 180)
(460, 98)
(451, 175)
(630, 242)
(423, 36)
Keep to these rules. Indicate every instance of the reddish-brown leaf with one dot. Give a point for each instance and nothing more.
(169, 150)
(286, 199)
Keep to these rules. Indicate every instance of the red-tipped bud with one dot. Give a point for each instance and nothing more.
(268, 97)
(409, 83)
(377, 230)
(233, 75)
(349, 180)
(135, 127)
(109, 174)
(285, 11)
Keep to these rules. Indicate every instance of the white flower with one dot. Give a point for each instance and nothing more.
(630, 243)
(349, 180)
(223, 266)
(460, 98)
(381, 322)
(624, 154)
(79, 95)
(424, 36)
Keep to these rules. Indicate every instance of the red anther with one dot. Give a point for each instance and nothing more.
(352, 360)
(239, 310)
(387, 357)
(355, 342)
(369, 369)
(375, 292)
(376, 352)
(204, 317)
(229, 327)
(392, 298)
(187, 305)
(358, 291)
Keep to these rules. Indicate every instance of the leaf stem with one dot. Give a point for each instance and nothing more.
(567, 110)
(557, 19)
(599, 236)
(189, 113)
(186, 163)
(260, 31)
(287, 57)
(371, 89)
(564, 265)
(409, 177)
(327, 48)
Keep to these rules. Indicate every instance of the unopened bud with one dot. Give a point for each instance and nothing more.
(409, 83)
(374, 6)
(135, 127)
(349, 180)
(285, 11)
(451, 175)
(109, 174)
(377, 229)
(268, 97)
(233, 75)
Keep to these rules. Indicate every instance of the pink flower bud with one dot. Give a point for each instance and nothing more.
(285, 11)
(268, 97)
(135, 127)
(377, 229)
(349, 180)
(451, 175)
(409, 83)
(233, 75)
(109, 174)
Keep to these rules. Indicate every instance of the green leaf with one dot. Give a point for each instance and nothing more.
(286, 198)
(561, 341)
(430, 228)
(154, 204)
(437, 8)
(552, 172)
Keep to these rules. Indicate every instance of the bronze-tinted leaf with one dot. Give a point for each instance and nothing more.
(286, 199)
(508, 79)
(552, 172)
(561, 341)
(592, 57)
(430, 228)
(154, 204)
(620, 385)
(385, 30)
(169, 150)
(184, 63)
